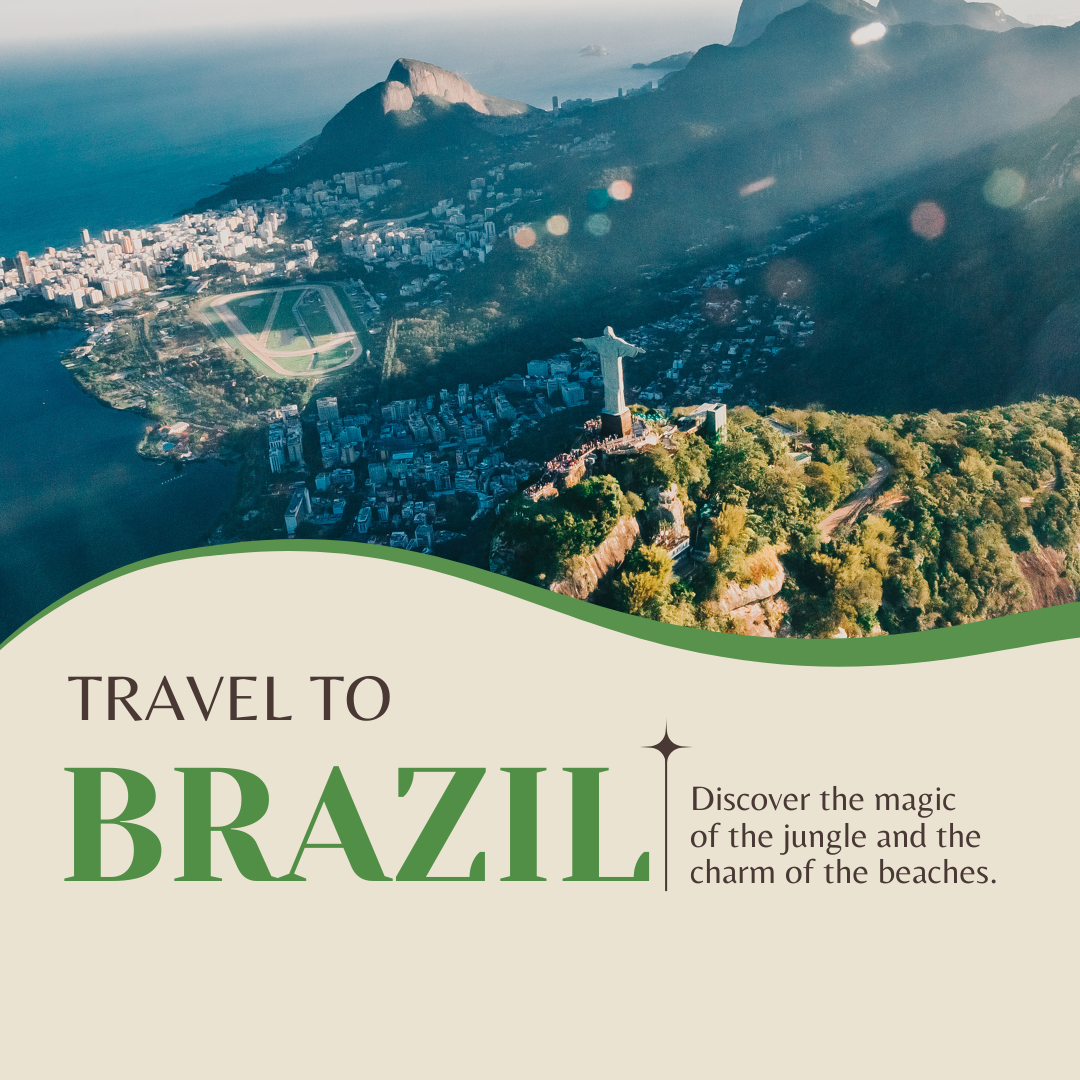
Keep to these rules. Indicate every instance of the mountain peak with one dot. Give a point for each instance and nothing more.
(411, 79)
(755, 15)
(951, 12)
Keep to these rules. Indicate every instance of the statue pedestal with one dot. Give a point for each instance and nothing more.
(617, 424)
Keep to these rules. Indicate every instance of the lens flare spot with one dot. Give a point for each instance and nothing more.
(874, 31)
(525, 238)
(620, 190)
(558, 225)
(928, 220)
(757, 185)
(598, 224)
(786, 279)
(1005, 187)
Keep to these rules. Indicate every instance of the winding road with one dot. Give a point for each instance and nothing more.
(859, 503)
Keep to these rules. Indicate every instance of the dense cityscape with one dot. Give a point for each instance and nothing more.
(380, 470)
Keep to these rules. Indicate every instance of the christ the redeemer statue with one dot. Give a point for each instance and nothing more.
(615, 418)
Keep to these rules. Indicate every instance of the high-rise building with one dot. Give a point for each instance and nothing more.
(328, 409)
(299, 508)
(715, 420)
(86, 236)
(503, 409)
(294, 444)
(572, 394)
(22, 264)
(277, 447)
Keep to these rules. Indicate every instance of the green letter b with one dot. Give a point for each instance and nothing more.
(146, 847)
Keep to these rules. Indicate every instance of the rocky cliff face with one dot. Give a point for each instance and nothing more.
(1043, 570)
(586, 572)
(755, 15)
(410, 79)
(736, 596)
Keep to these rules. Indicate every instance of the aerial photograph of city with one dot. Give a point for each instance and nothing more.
(759, 318)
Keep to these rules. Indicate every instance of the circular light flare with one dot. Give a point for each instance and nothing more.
(928, 220)
(620, 190)
(787, 278)
(525, 238)
(598, 224)
(1004, 188)
(874, 31)
(558, 225)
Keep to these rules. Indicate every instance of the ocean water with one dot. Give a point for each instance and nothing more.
(124, 133)
(78, 501)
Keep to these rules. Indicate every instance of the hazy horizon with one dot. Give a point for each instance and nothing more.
(69, 22)
(146, 121)
(124, 135)
(506, 58)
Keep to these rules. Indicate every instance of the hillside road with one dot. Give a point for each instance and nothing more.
(859, 503)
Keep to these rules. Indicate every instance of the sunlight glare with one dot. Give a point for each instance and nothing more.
(874, 31)
(757, 185)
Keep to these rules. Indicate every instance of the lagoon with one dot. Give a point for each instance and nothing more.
(76, 499)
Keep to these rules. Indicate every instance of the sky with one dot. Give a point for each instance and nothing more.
(61, 20)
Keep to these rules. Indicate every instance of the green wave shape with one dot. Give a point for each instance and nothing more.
(973, 639)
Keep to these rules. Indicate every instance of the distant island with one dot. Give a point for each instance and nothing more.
(675, 62)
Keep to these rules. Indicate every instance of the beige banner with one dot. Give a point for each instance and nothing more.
(952, 954)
